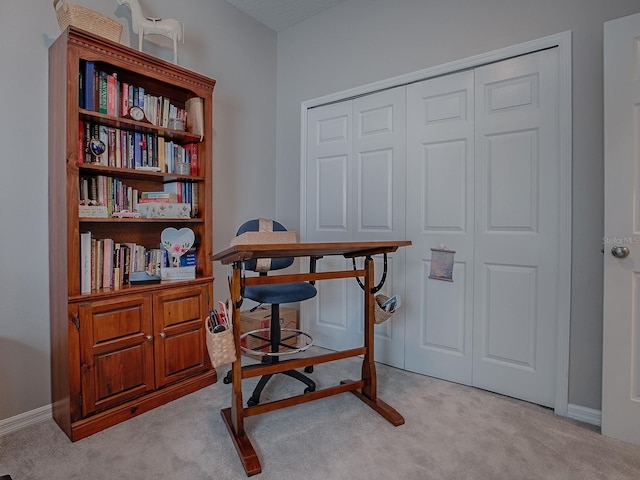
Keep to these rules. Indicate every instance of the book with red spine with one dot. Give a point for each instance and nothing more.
(124, 98)
(112, 94)
(193, 158)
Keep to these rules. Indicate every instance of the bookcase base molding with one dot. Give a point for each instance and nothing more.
(88, 426)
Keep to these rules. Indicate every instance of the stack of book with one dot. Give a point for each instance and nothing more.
(165, 204)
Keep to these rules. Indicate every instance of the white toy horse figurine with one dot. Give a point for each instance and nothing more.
(142, 26)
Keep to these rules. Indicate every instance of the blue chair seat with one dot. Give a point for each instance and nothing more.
(280, 293)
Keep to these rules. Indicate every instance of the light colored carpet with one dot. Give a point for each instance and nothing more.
(451, 432)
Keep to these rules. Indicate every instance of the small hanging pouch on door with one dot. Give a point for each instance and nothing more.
(442, 264)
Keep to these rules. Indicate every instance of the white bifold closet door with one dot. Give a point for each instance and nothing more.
(469, 161)
(483, 149)
(355, 192)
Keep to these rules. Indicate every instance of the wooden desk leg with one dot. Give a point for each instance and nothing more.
(234, 416)
(369, 393)
(370, 389)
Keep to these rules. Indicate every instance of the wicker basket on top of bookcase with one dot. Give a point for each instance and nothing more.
(76, 15)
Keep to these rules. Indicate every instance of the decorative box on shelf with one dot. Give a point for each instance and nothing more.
(92, 211)
(178, 273)
(164, 210)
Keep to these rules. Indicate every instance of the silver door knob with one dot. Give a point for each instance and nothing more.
(619, 251)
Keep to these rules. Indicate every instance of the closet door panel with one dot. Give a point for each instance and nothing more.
(379, 205)
(379, 165)
(355, 192)
(329, 146)
(517, 227)
(331, 188)
(439, 186)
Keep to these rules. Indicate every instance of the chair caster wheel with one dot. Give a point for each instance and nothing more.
(252, 402)
(226, 380)
(308, 369)
(309, 389)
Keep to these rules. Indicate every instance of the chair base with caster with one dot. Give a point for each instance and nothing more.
(273, 356)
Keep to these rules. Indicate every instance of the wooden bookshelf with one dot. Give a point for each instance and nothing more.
(122, 349)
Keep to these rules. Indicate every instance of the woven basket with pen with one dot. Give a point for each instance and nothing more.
(220, 340)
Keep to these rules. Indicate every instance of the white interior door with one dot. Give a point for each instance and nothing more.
(355, 191)
(440, 211)
(621, 335)
(517, 237)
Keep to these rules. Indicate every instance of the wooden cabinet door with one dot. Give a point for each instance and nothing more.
(116, 351)
(178, 316)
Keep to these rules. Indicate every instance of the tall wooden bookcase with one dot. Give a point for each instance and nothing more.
(120, 351)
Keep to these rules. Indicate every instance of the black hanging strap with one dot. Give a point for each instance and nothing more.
(377, 288)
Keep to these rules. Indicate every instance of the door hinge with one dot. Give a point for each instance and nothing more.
(76, 322)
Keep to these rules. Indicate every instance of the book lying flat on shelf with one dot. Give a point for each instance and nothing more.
(141, 278)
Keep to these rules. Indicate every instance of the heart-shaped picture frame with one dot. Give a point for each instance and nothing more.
(177, 242)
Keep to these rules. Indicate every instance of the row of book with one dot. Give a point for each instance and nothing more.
(128, 149)
(109, 192)
(116, 196)
(103, 92)
(106, 263)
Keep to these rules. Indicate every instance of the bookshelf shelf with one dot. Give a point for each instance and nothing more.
(119, 350)
(131, 173)
(141, 220)
(179, 136)
(107, 293)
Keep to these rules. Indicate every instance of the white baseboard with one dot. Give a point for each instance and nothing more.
(25, 419)
(585, 414)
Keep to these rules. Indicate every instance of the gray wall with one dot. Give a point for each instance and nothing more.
(220, 42)
(363, 41)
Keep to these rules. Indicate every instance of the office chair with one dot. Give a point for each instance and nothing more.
(274, 294)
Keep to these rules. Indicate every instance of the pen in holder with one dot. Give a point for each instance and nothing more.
(220, 341)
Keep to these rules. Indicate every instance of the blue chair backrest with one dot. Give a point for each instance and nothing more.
(276, 263)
